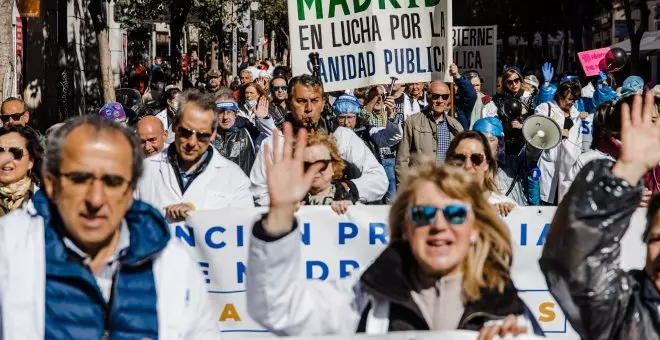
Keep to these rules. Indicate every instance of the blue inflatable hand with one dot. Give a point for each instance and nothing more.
(548, 72)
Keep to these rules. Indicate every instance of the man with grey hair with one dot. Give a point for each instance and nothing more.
(90, 262)
(190, 174)
(307, 100)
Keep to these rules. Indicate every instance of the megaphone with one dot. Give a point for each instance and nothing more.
(541, 133)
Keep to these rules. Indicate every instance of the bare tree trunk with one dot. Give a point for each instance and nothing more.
(99, 19)
(545, 48)
(636, 35)
(214, 54)
(179, 10)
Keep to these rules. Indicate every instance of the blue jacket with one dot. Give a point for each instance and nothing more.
(75, 306)
(466, 97)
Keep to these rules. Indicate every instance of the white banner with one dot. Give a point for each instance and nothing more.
(333, 246)
(446, 335)
(475, 49)
(362, 43)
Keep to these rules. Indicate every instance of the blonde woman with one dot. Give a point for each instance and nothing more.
(326, 188)
(447, 266)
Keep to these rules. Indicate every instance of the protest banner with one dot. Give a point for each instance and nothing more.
(475, 49)
(591, 59)
(333, 246)
(362, 43)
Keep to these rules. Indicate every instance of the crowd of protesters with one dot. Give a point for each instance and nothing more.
(86, 251)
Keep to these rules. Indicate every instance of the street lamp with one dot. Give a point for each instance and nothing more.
(29, 8)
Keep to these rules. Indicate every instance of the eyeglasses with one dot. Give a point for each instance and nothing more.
(459, 159)
(280, 88)
(423, 215)
(113, 185)
(513, 81)
(325, 163)
(13, 117)
(17, 152)
(203, 137)
(436, 96)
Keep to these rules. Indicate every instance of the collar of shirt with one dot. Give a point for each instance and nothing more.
(122, 246)
(185, 175)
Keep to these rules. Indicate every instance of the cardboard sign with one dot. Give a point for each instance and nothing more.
(369, 42)
(591, 59)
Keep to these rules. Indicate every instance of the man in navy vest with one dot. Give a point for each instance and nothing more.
(86, 261)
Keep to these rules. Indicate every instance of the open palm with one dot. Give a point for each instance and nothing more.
(640, 137)
(287, 181)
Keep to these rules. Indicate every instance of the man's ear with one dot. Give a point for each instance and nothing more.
(50, 181)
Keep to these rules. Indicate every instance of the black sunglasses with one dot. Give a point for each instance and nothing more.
(423, 215)
(201, 136)
(513, 81)
(436, 96)
(460, 159)
(17, 152)
(325, 163)
(13, 117)
(81, 177)
(280, 88)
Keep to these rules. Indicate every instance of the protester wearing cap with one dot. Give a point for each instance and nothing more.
(214, 81)
(382, 140)
(632, 85)
(510, 175)
(233, 139)
(114, 112)
(190, 174)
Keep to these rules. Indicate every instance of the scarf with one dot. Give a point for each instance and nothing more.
(612, 147)
(13, 195)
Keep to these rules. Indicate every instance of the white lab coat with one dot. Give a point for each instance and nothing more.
(550, 161)
(584, 158)
(371, 186)
(162, 115)
(184, 311)
(222, 185)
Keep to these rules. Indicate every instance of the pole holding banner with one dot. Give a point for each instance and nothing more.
(451, 99)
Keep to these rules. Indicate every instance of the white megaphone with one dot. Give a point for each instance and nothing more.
(541, 133)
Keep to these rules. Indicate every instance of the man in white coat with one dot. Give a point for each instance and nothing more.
(86, 261)
(307, 101)
(190, 175)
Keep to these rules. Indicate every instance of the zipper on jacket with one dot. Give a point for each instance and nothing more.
(108, 315)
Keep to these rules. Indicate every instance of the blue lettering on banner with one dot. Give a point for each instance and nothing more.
(346, 67)
(408, 60)
(305, 235)
(377, 232)
(187, 236)
(347, 230)
(240, 272)
(205, 271)
(541, 238)
(318, 264)
(344, 271)
(239, 236)
(208, 237)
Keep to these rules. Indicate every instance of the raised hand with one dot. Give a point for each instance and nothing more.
(640, 139)
(548, 72)
(453, 71)
(288, 183)
(261, 111)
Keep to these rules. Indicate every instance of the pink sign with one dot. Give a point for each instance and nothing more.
(591, 60)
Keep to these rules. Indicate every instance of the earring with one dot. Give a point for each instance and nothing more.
(473, 240)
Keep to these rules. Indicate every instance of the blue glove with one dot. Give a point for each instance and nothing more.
(602, 77)
(548, 72)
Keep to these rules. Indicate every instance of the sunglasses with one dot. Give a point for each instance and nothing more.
(114, 185)
(18, 153)
(280, 88)
(459, 159)
(201, 136)
(423, 215)
(325, 163)
(436, 96)
(11, 117)
(513, 81)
